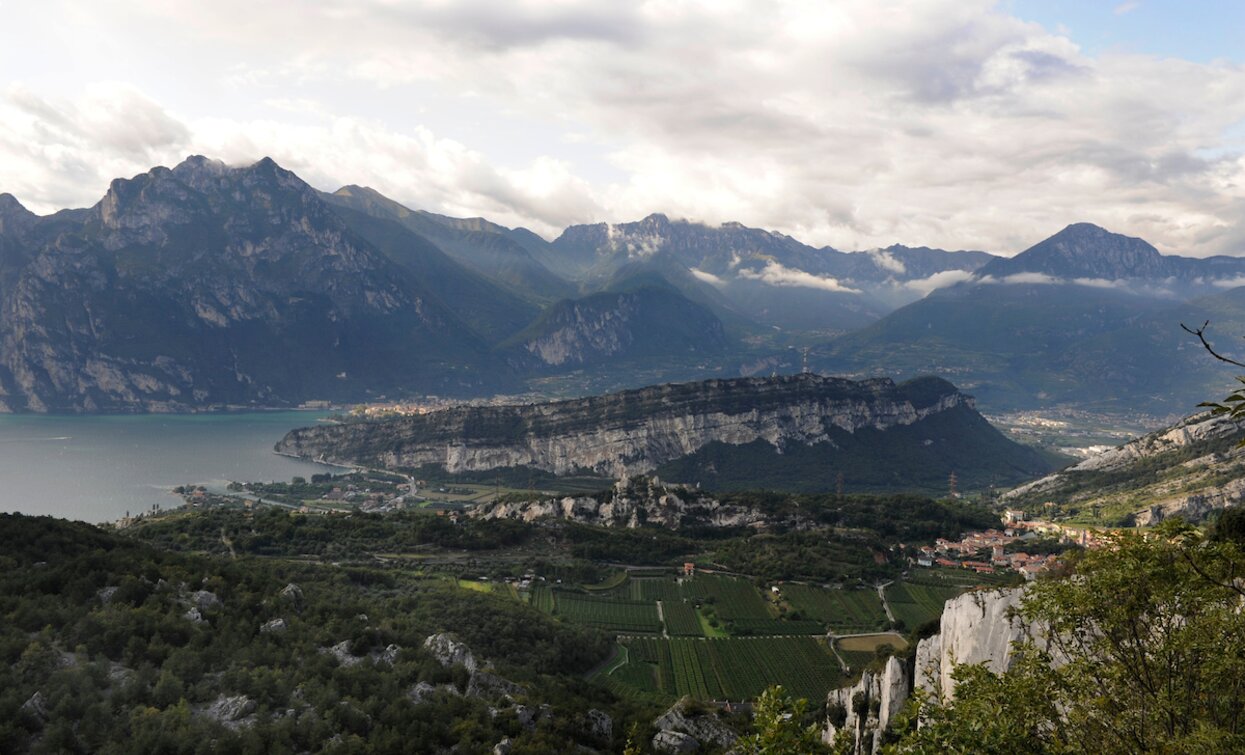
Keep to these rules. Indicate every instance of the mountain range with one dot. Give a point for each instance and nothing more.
(208, 286)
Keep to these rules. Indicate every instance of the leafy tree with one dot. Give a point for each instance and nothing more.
(1142, 649)
(781, 728)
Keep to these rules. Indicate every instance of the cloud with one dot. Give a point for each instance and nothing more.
(776, 274)
(968, 128)
(1127, 7)
(1230, 282)
(942, 279)
(707, 277)
(1136, 287)
(884, 260)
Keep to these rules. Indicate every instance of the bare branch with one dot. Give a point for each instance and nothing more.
(1201, 335)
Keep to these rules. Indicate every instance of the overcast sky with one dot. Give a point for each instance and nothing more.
(854, 123)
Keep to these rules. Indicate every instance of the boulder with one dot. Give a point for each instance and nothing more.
(275, 626)
(503, 747)
(194, 616)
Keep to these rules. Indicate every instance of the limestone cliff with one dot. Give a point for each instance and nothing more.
(865, 709)
(633, 432)
(977, 627)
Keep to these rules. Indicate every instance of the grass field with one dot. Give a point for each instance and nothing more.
(845, 611)
(868, 643)
(726, 669)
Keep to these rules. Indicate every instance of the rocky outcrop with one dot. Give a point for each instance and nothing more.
(234, 711)
(631, 432)
(450, 652)
(1196, 506)
(1188, 470)
(684, 729)
(423, 691)
(636, 502)
(864, 710)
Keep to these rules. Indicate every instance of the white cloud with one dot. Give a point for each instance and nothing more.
(942, 279)
(777, 274)
(884, 260)
(1230, 282)
(853, 123)
(707, 277)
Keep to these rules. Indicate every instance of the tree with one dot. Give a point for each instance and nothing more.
(1234, 404)
(780, 727)
(1141, 648)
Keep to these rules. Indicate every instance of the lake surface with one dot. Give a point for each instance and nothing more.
(98, 468)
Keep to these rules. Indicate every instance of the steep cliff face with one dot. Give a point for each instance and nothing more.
(865, 709)
(632, 432)
(977, 627)
(649, 321)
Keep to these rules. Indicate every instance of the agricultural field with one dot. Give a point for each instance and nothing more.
(726, 669)
(624, 617)
(681, 619)
(869, 643)
(845, 611)
(913, 605)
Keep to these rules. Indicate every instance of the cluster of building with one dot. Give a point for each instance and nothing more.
(1018, 523)
(984, 552)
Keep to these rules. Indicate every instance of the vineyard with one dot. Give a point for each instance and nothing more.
(845, 611)
(681, 619)
(612, 615)
(916, 604)
(726, 669)
(723, 606)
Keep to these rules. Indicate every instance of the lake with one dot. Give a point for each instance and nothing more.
(98, 468)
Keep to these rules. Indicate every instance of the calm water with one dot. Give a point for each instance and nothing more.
(98, 468)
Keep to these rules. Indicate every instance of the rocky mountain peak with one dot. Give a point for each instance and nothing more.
(1084, 250)
(14, 218)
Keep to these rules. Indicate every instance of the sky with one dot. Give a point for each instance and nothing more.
(961, 124)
